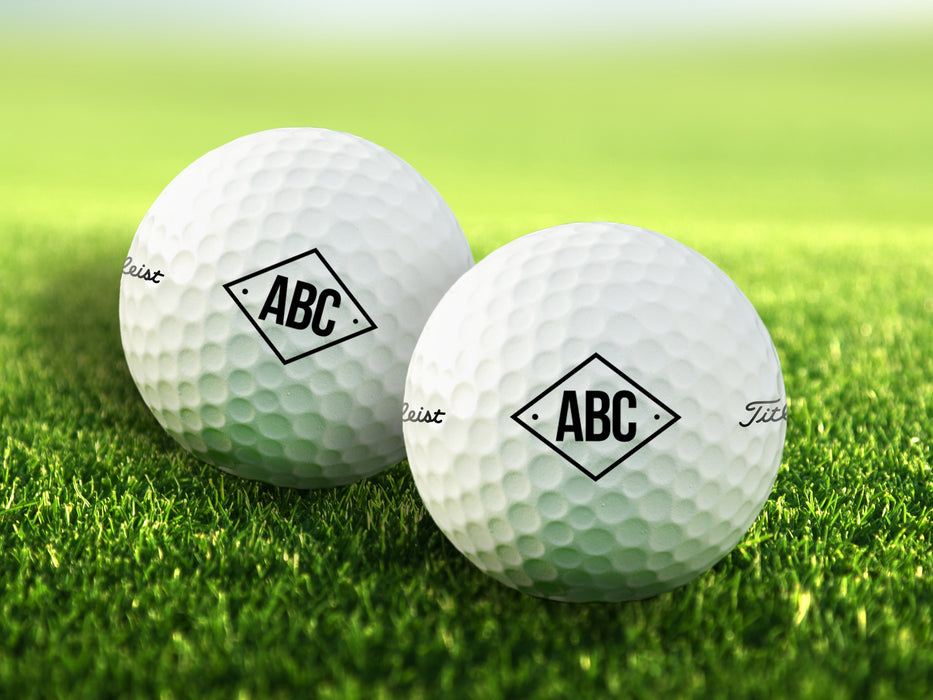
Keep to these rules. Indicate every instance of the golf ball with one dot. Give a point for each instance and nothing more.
(608, 423)
(271, 298)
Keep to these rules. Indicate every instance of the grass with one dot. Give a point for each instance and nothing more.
(129, 569)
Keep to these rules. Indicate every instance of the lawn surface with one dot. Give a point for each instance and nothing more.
(129, 569)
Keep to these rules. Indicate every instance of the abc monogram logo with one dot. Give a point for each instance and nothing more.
(602, 416)
(595, 417)
(300, 306)
(306, 308)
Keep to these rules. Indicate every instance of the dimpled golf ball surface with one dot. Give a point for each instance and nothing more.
(271, 299)
(599, 413)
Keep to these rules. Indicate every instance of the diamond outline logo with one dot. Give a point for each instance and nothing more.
(596, 357)
(369, 326)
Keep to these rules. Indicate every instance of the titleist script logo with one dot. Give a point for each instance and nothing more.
(300, 306)
(595, 417)
(772, 411)
(141, 271)
(422, 415)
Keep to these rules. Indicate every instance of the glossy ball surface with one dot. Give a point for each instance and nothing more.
(597, 413)
(271, 299)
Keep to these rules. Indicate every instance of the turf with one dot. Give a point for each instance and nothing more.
(129, 569)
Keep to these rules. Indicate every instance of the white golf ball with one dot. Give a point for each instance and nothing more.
(594, 412)
(271, 299)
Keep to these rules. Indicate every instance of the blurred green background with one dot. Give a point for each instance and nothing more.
(789, 142)
(684, 116)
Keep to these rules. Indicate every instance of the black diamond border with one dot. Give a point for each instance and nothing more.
(314, 251)
(587, 361)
